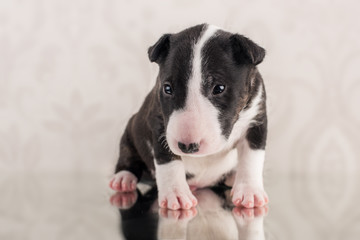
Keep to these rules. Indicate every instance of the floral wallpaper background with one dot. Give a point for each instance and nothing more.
(73, 72)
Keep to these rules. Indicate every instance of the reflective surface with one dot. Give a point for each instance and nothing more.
(80, 206)
(213, 218)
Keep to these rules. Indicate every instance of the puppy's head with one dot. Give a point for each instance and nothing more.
(204, 82)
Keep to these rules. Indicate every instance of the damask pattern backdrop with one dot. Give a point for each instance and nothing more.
(73, 72)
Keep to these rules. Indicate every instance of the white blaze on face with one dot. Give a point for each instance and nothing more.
(198, 122)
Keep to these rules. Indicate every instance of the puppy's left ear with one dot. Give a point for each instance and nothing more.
(246, 51)
(160, 49)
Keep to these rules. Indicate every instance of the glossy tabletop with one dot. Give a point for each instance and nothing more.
(81, 206)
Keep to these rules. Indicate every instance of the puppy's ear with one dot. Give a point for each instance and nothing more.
(160, 49)
(246, 51)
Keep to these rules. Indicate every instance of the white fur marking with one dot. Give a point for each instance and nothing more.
(196, 79)
(209, 169)
(170, 174)
(251, 163)
(246, 117)
(199, 117)
(172, 186)
(248, 189)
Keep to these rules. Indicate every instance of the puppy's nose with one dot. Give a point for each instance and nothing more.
(191, 148)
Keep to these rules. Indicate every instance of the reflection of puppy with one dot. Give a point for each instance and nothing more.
(124, 200)
(138, 213)
(204, 120)
(250, 222)
(212, 219)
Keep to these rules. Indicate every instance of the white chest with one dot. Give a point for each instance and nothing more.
(207, 170)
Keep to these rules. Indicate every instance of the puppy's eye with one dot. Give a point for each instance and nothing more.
(168, 89)
(218, 89)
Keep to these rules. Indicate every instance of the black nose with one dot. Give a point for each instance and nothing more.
(191, 148)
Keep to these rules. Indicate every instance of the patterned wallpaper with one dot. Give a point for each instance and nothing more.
(73, 72)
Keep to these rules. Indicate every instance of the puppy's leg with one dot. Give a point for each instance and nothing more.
(248, 189)
(129, 167)
(174, 192)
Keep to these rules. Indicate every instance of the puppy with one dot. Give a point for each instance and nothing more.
(203, 123)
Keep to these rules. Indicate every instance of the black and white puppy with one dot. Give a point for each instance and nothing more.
(203, 123)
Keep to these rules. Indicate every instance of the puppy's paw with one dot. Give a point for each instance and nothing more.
(249, 196)
(177, 198)
(123, 181)
(124, 200)
(181, 214)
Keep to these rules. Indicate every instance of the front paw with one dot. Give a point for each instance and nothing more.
(248, 195)
(177, 198)
(123, 181)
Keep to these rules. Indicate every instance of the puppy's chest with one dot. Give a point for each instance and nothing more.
(206, 171)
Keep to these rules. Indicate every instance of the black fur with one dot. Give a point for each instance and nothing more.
(246, 51)
(160, 49)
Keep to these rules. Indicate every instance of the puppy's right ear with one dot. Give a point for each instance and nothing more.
(160, 49)
(246, 51)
